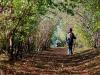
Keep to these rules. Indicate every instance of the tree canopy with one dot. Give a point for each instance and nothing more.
(31, 25)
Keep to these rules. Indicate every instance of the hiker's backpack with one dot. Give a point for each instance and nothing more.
(70, 37)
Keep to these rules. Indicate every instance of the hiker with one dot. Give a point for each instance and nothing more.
(70, 39)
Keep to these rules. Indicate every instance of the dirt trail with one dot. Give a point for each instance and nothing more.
(56, 62)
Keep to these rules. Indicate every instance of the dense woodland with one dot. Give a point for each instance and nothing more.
(34, 32)
(28, 26)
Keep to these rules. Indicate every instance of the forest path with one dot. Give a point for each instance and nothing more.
(56, 62)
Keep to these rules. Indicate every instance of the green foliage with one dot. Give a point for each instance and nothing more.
(22, 17)
(83, 38)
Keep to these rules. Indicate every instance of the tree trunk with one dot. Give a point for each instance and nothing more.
(9, 45)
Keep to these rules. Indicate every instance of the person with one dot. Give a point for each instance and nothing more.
(70, 40)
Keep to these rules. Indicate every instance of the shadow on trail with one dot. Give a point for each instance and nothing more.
(53, 63)
(85, 56)
(76, 59)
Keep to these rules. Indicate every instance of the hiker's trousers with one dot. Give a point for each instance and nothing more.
(69, 50)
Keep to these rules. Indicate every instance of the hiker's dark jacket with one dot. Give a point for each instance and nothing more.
(70, 38)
